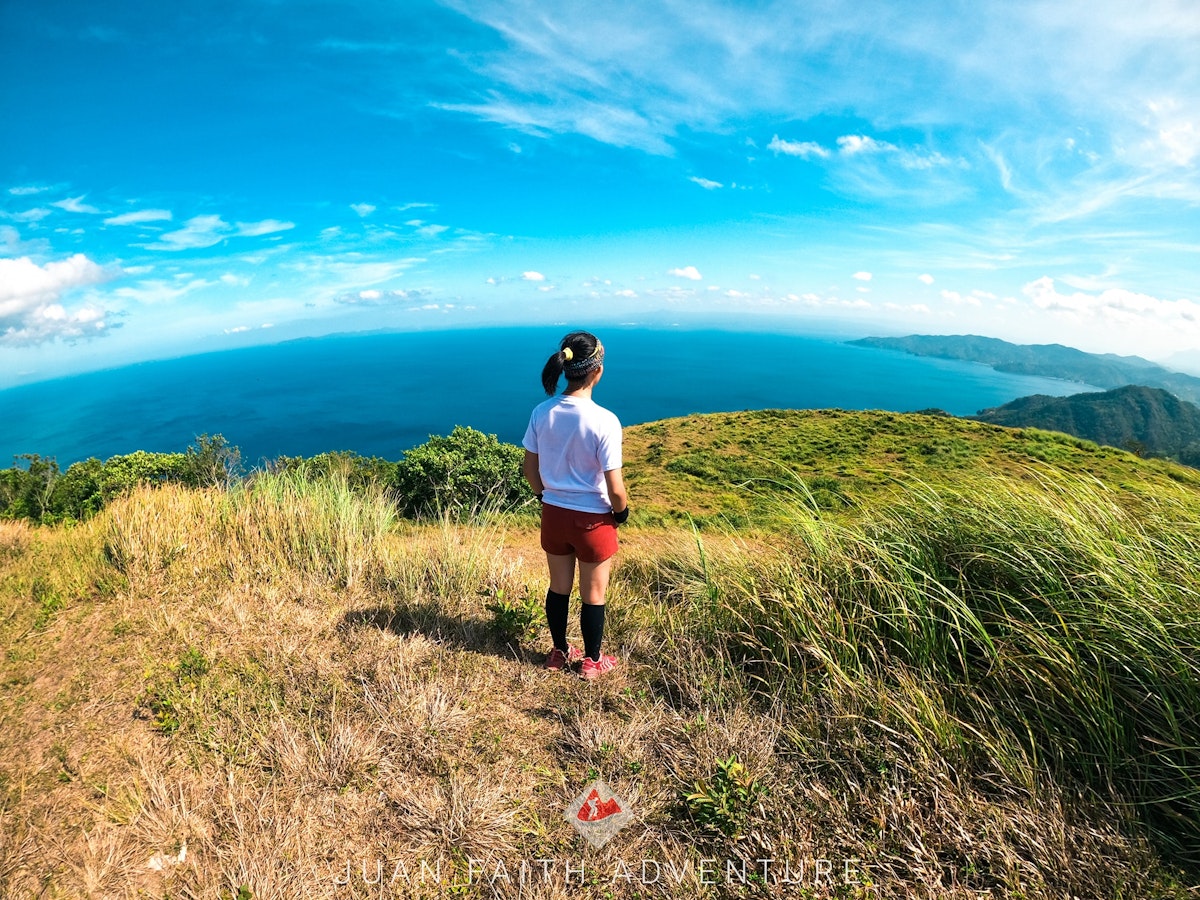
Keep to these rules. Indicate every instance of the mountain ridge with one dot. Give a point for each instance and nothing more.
(1102, 370)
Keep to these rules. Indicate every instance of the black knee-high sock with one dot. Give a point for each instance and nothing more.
(556, 618)
(591, 623)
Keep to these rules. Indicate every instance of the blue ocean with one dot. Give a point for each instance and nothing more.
(379, 394)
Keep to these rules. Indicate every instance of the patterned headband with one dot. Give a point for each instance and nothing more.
(575, 369)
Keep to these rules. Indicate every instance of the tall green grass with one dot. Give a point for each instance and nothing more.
(1044, 625)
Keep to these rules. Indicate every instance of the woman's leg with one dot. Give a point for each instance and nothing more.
(562, 580)
(593, 583)
(562, 573)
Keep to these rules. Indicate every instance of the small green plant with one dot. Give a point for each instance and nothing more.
(724, 801)
(169, 693)
(48, 601)
(514, 620)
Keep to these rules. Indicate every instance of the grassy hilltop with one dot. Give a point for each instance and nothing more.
(910, 656)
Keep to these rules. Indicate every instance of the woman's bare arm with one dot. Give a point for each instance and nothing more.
(529, 468)
(616, 489)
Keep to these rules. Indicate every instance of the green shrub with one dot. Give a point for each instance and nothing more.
(725, 800)
(460, 475)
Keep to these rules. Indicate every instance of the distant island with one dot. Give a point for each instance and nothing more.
(1103, 370)
(1145, 420)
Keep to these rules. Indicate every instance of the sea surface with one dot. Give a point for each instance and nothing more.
(379, 394)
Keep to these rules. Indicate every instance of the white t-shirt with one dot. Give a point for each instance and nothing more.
(576, 441)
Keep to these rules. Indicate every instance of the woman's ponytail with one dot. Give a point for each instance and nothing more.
(551, 371)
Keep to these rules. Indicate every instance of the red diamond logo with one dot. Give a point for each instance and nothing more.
(598, 814)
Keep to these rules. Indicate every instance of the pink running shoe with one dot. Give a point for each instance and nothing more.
(591, 669)
(557, 659)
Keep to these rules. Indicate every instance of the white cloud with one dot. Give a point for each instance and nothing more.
(1117, 306)
(920, 308)
(30, 295)
(26, 190)
(533, 276)
(706, 183)
(198, 232)
(266, 226)
(863, 145)
(139, 216)
(30, 215)
(363, 209)
(803, 149)
(625, 293)
(754, 277)
(734, 293)
(160, 291)
(926, 278)
(432, 230)
(686, 272)
(546, 288)
(851, 144)
(376, 297)
(958, 299)
(76, 205)
(862, 276)
(234, 281)
(206, 231)
(238, 330)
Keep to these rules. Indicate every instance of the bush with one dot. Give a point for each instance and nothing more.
(461, 474)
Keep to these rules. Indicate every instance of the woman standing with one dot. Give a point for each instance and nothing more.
(573, 464)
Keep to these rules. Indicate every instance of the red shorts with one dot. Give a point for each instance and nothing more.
(592, 537)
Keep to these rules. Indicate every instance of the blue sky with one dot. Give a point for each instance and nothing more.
(179, 177)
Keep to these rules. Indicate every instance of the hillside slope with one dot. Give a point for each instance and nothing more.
(1150, 420)
(737, 467)
(981, 680)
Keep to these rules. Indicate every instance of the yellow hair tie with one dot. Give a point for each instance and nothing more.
(567, 354)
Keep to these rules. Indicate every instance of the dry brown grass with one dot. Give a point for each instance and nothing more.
(280, 710)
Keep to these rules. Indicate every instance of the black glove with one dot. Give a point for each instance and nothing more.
(621, 517)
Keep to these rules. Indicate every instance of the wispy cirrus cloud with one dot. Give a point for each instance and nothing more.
(139, 217)
(76, 205)
(161, 290)
(803, 149)
(375, 297)
(200, 232)
(266, 226)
